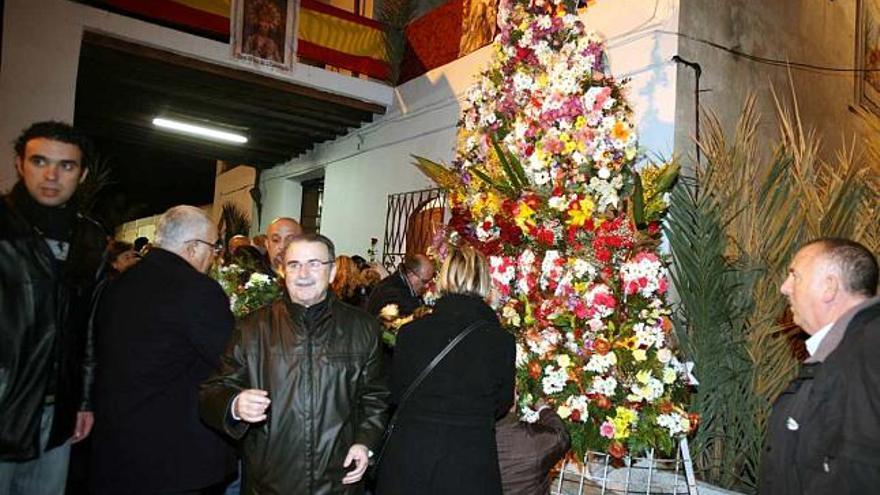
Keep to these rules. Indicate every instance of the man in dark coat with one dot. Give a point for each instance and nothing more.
(50, 256)
(318, 362)
(823, 436)
(161, 328)
(528, 451)
(403, 288)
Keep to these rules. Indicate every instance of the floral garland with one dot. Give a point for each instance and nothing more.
(545, 183)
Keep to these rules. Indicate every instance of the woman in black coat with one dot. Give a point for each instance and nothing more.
(444, 441)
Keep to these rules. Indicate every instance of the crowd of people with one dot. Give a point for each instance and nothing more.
(134, 347)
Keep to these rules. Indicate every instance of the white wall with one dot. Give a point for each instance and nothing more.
(365, 166)
(41, 43)
(233, 186)
(804, 31)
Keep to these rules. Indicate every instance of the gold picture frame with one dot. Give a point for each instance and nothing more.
(867, 78)
(264, 32)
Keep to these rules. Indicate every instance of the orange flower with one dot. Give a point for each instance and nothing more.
(620, 131)
(601, 346)
(535, 369)
(694, 419)
(602, 402)
(665, 407)
(617, 450)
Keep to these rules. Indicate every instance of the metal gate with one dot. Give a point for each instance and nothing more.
(411, 221)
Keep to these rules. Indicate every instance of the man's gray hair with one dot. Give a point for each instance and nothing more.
(181, 224)
(856, 264)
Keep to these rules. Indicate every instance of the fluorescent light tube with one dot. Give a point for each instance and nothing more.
(198, 130)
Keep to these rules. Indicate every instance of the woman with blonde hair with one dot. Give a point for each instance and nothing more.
(442, 437)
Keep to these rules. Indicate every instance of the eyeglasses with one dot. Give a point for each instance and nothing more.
(312, 265)
(216, 246)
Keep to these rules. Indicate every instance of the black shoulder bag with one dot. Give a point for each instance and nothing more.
(374, 465)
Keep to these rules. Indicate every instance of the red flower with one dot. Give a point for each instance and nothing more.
(616, 450)
(575, 415)
(545, 236)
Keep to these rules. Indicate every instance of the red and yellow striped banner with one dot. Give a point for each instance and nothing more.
(326, 34)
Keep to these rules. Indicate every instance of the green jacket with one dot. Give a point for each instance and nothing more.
(323, 370)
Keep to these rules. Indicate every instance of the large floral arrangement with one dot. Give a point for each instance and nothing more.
(546, 183)
(247, 290)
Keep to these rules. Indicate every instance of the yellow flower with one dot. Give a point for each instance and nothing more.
(580, 122)
(643, 376)
(620, 131)
(524, 216)
(543, 80)
(570, 146)
(563, 411)
(582, 212)
(640, 355)
(493, 203)
(668, 375)
(563, 360)
(622, 420)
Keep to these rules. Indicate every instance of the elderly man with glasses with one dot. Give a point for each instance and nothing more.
(161, 328)
(403, 288)
(301, 384)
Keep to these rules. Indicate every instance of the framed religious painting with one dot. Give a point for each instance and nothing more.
(868, 55)
(264, 32)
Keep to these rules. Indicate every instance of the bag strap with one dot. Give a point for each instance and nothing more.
(430, 367)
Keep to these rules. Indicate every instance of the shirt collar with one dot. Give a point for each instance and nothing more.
(815, 340)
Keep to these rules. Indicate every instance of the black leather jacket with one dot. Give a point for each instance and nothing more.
(322, 367)
(43, 316)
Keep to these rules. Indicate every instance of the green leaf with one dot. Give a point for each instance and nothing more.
(505, 164)
(638, 201)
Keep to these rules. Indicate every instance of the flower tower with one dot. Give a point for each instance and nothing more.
(545, 182)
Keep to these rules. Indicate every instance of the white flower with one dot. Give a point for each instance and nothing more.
(257, 279)
(522, 355)
(528, 415)
(664, 355)
(554, 380)
(599, 363)
(583, 269)
(677, 424)
(605, 386)
(389, 312)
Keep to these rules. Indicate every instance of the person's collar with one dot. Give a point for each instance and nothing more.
(402, 273)
(835, 335)
(53, 222)
(311, 312)
(813, 342)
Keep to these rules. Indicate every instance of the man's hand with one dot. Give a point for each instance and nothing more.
(84, 422)
(251, 404)
(360, 455)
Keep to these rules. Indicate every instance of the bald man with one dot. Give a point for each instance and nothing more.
(279, 234)
(238, 241)
(404, 287)
(823, 435)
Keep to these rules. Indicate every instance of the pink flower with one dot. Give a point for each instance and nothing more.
(607, 430)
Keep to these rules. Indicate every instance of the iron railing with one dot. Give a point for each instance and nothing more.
(411, 221)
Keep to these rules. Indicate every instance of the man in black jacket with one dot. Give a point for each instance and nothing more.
(49, 259)
(823, 436)
(403, 288)
(318, 363)
(161, 328)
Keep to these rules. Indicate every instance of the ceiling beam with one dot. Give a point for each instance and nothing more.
(255, 79)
